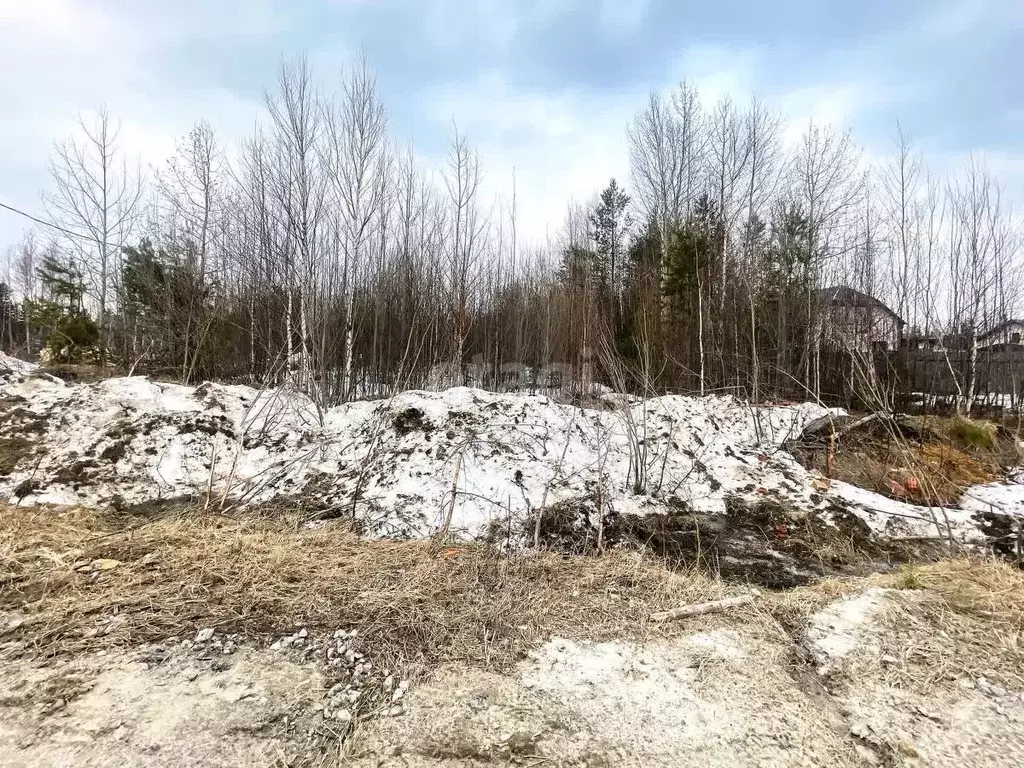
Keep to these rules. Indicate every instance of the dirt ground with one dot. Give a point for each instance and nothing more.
(185, 640)
(733, 693)
(151, 708)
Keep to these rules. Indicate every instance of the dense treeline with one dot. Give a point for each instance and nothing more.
(323, 255)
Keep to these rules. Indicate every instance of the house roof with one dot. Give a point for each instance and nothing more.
(845, 296)
(995, 330)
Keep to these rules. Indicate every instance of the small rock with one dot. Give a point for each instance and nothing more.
(343, 715)
(204, 635)
(404, 685)
(303, 633)
(389, 683)
(862, 730)
(397, 694)
(396, 710)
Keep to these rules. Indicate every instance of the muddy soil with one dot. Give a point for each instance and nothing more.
(767, 544)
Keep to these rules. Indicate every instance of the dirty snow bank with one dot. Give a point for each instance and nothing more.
(1005, 497)
(12, 365)
(410, 465)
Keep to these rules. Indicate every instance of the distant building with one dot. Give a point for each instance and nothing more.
(858, 321)
(1006, 334)
(921, 341)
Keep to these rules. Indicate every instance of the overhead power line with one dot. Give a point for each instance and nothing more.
(45, 223)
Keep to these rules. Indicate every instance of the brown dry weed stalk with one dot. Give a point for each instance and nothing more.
(416, 605)
(949, 620)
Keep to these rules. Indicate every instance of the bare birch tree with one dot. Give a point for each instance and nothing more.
(300, 188)
(462, 182)
(95, 199)
(827, 187)
(356, 158)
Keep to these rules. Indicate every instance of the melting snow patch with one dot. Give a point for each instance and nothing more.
(1006, 498)
(406, 466)
(9, 365)
(411, 462)
(896, 519)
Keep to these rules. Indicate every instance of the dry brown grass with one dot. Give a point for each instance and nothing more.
(967, 621)
(952, 619)
(415, 603)
(421, 605)
(952, 455)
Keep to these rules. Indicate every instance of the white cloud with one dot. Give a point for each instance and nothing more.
(718, 71)
(621, 18)
(71, 20)
(559, 146)
(72, 57)
(494, 25)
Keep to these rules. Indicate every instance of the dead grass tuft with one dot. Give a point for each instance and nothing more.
(953, 619)
(970, 622)
(415, 603)
(933, 462)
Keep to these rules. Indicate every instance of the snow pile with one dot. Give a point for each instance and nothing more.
(416, 463)
(12, 365)
(1003, 497)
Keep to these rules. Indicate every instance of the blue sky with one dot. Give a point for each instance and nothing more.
(542, 86)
